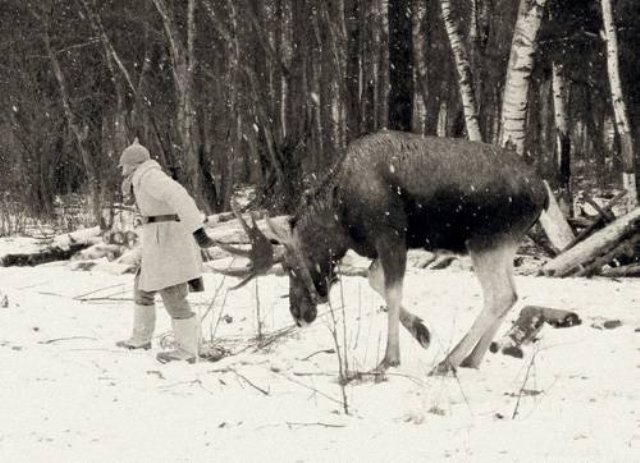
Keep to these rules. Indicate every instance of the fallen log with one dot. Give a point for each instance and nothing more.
(631, 270)
(605, 217)
(555, 225)
(61, 247)
(42, 256)
(529, 323)
(587, 257)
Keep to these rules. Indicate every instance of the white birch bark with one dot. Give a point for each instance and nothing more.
(465, 77)
(619, 106)
(560, 99)
(515, 102)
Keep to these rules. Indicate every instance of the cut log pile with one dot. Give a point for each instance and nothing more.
(589, 256)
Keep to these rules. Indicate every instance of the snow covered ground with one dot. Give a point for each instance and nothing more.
(67, 394)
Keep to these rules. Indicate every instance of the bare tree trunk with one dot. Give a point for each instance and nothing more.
(93, 182)
(112, 59)
(383, 64)
(335, 50)
(619, 106)
(114, 127)
(279, 74)
(183, 65)
(420, 67)
(473, 20)
(323, 104)
(515, 101)
(595, 127)
(235, 123)
(369, 38)
(353, 67)
(465, 77)
(515, 105)
(400, 65)
(479, 30)
(563, 141)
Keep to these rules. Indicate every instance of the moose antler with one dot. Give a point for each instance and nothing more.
(283, 235)
(261, 253)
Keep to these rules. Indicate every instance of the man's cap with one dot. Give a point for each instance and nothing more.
(134, 154)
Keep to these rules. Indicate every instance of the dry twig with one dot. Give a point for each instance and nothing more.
(521, 392)
(245, 379)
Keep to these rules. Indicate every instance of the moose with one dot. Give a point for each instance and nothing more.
(394, 191)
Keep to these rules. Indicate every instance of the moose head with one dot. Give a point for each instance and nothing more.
(310, 279)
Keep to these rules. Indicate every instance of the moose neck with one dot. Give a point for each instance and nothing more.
(319, 232)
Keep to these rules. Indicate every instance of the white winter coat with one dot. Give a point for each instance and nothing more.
(170, 254)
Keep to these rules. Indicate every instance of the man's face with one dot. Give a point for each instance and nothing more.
(127, 169)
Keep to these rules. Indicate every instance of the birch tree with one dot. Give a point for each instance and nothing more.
(619, 106)
(465, 76)
(523, 47)
(515, 105)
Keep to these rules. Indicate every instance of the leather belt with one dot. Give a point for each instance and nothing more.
(161, 218)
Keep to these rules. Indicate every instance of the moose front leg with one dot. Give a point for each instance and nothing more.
(412, 323)
(393, 259)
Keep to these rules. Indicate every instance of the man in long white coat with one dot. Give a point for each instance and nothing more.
(171, 257)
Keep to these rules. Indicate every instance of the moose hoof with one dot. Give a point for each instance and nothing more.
(422, 335)
(444, 368)
(386, 364)
(470, 362)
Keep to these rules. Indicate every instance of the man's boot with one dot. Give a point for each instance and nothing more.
(144, 324)
(187, 338)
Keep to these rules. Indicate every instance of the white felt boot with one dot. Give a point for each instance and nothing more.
(187, 338)
(144, 324)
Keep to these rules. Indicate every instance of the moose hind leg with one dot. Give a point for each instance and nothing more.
(494, 269)
(412, 323)
(505, 297)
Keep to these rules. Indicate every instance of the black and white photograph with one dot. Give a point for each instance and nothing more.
(319, 231)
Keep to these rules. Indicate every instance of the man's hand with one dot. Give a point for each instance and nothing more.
(203, 239)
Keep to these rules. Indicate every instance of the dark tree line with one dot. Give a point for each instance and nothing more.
(269, 92)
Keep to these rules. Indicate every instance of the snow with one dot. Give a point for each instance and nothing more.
(69, 395)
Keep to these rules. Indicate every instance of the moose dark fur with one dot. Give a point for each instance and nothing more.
(393, 191)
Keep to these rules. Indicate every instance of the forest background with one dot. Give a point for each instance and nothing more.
(268, 93)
